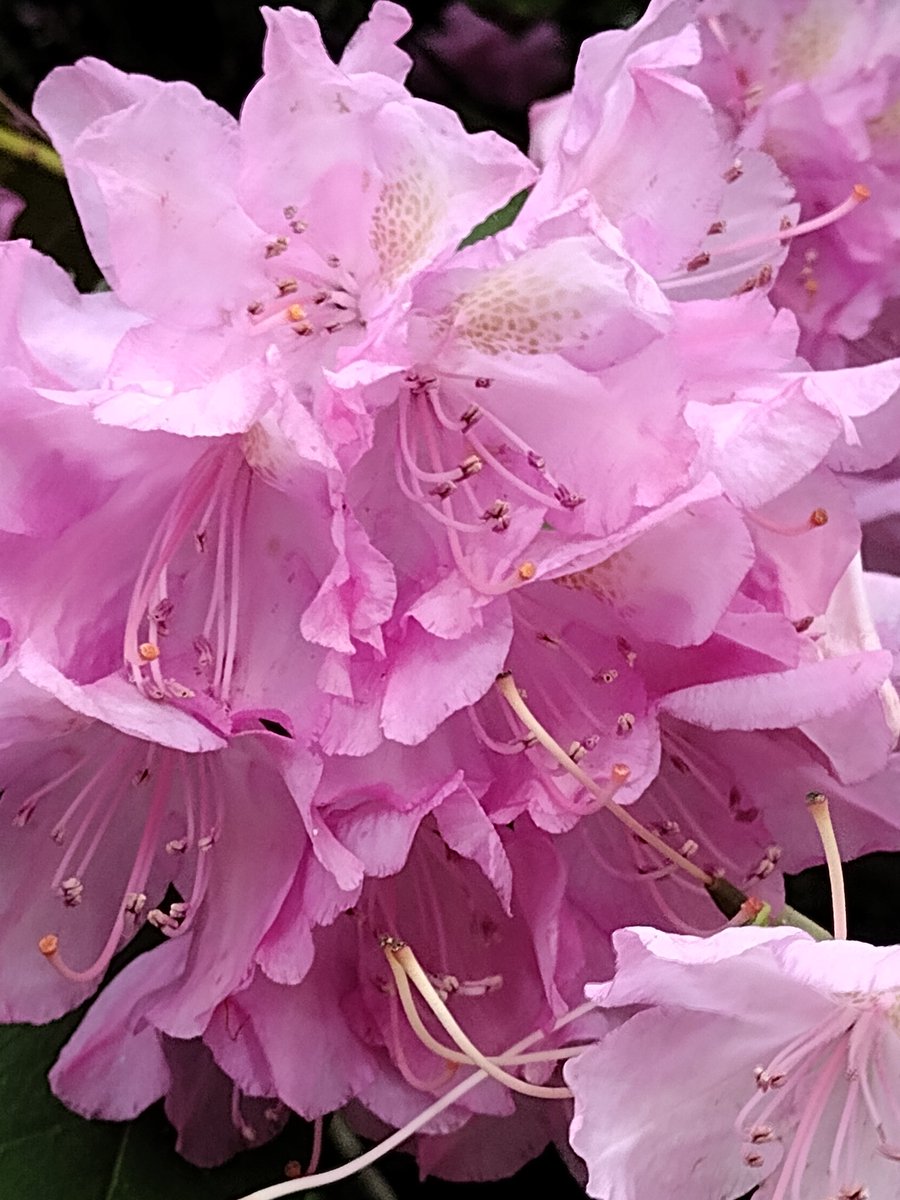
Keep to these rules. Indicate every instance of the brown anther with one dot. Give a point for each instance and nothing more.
(499, 514)
(161, 612)
(278, 246)
(179, 690)
(818, 517)
(481, 382)
(388, 942)
(290, 211)
(296, 313)
(71, 891)
(785, 224)
(620, 773)
(535, 460)
(577, 751)
(148, 651)
(765, 1081)
(625, 722)
(470, 466)
(470, 416)
(48, 945)
(764, 278)
(753, 1159)
(299, 226)
(698, 261)
(292, 1169)
(716, 227)
(734, 172)
(286, 287)
(610, 675)
(526, 571)
(254, 308)
(567, 499)
(760, 1134)
(861, 192)
(803, 624)
(813, 798)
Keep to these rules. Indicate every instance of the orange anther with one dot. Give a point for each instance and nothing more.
(148, 651)
(818, 517)
(48, 945)
(861, 192)
(526, 571)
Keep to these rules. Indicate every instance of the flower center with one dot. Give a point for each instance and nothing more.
(312, 294)
(747, 262)
(132, 774)
(209, 510)
(797, 1086)
(473, 475)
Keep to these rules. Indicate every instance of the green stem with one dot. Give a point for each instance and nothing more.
(790, 916)
(28, 149)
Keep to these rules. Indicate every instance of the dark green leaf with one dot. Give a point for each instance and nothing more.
(47, 1152)
(498, 220)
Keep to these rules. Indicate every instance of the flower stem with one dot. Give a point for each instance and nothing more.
(29, 149)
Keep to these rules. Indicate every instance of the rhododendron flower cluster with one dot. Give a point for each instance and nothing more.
(414, 630)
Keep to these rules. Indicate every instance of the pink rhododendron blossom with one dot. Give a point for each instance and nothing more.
(269, 246)
(111, 798)
(390, 623)
(11, 207)
(775, 1058)
(816, 84)
(700, 214)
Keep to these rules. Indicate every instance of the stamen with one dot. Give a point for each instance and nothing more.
(816, 1102)
(619, 776)
(816, 519)
(404, 991)
(28, 805)
(817, 804)
(693, 269)
(291, 1187)
(49, 945)
(404, 958)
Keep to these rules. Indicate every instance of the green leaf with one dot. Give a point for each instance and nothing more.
(498, 220)
(48, 1152)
